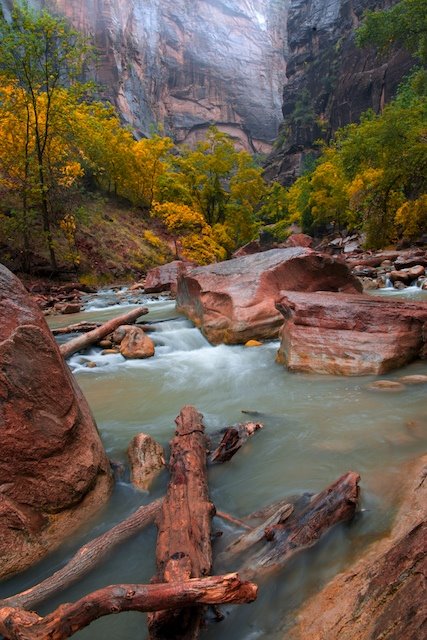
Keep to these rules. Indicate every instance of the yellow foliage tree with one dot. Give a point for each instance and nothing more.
(194, 238)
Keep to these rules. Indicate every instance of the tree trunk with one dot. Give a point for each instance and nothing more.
(184, 525)
(67, 619)
(232, 440)
(84, 341)
(86, 558)
(337, 503)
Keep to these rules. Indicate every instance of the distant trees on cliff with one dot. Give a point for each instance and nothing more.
(373, 176)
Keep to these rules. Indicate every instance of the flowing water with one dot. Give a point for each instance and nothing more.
(316, 428)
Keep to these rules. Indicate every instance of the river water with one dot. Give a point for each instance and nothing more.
(315, 429)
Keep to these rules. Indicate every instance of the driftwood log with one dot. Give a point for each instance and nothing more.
(86, 558)
(337, 503)
(184, 525)
(82, 342)
(79, 327)
(67, 619)
(232, 440)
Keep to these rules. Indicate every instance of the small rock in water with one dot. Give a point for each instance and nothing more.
(107, 352)
(414, 379)
(385, 385)
(90, 365)
(105, 344)
(253, 343)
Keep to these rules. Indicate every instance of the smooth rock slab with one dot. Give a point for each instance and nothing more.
(54, 472)
(349, 334)
(234, 301)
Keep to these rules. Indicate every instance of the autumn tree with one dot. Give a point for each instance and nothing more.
(39, 56)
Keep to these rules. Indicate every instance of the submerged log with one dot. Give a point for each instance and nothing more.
(232, 440)
(67, 619)
(85, 340)
(86, 558)
(184, 525)
(337, 503)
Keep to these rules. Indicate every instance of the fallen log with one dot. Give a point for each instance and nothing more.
(184, 525)
(85, 340)
(67, 619)
(79, 327)
(247, 540)
(232, 440)
(86, 558)
(337, 503)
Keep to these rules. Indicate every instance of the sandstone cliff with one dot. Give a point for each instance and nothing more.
(189, 63)
(330, 80)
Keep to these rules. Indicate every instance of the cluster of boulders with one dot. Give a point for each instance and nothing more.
(397, 269)
(63, 298)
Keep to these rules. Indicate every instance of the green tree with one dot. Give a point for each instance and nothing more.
(405, 23)
(42, 55)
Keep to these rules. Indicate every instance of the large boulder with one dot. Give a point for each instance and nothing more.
(233, 301)
(383, 595)
(54, 472)
(349, 334)
(164, 278)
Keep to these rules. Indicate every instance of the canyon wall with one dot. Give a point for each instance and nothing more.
(187, 64)
(330, 81)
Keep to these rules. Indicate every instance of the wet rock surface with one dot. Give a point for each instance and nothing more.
(342, 334)
(233, 301)
(53, 469)
(164, 278)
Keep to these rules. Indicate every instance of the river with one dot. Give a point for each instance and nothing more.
(316, 428)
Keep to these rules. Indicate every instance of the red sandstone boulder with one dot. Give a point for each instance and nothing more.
(135, 343)
(383, 595)
(233, 301)
(349, 334)
(54, 472)
(299, 240)
(164, 278)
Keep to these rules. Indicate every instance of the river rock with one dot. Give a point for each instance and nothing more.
(386, 385)
(299, 240)
(343, 334)
(414, 379)
(407, 275)
(383, 594)
(136, 344)
(164, 278)
(233, 301)
(54, 472)
(147, 459)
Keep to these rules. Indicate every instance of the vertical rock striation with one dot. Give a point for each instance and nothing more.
(187, 64)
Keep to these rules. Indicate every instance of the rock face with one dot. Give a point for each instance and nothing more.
(233, 301)
(187, 64)
(330, 80)
(384, 594)
(53, 469)
(349, 334)
(164, 278)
